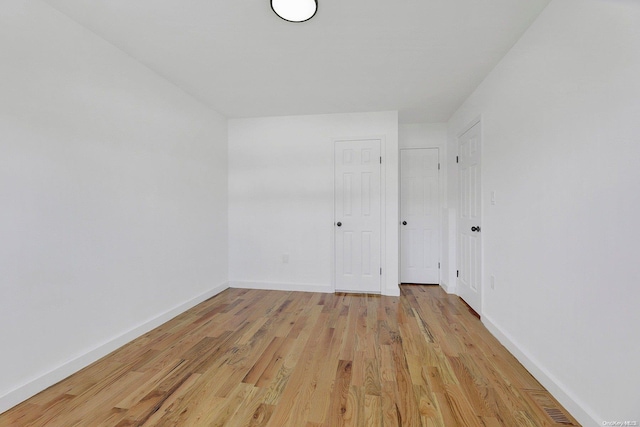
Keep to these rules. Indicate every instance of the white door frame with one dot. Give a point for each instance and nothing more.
(477, 121)
(383, 204)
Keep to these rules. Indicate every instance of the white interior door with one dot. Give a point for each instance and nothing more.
(357, 216)
(419, 216)
(469, 219)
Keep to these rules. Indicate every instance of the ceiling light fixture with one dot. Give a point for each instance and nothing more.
(295, 10)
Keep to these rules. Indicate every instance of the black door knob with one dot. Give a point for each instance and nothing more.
(475, 228)
(404, 222)
(339, 224)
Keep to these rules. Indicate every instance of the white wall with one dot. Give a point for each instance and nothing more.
(423, 135)
(561, 148)
(113, 199)
(281, 198)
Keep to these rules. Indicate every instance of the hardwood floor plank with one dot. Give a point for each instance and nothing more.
(426, 405)
(192, 406)
(372, 378)
(372, 411)
(258, 368)
(169, 405)
(278, 359)
(407, 405)
(390, 413)
(339, 411)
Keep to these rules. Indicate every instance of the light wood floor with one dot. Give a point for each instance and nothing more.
(269, 358)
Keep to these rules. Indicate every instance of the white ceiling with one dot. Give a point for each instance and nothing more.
(420, 57)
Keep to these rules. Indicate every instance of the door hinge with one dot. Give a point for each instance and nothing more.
(380, 159)
(438, 166)
(457, 159)
(438, 265)
(457, 273)
(381, 271)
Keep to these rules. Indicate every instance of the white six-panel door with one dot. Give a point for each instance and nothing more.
(469, 219)
(357, 224)
(419, 216)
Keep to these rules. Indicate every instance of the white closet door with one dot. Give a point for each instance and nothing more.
(469, 219)
(419, 216)
(357, 216)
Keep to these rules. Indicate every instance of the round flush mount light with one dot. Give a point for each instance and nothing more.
(295, 10)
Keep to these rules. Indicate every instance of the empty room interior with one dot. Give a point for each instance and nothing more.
(410, 213)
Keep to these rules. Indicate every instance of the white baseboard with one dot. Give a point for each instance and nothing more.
(392, 292)
(297, 287)
(450, 289)
(36, 385)
(571, 403)
(273, 286)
